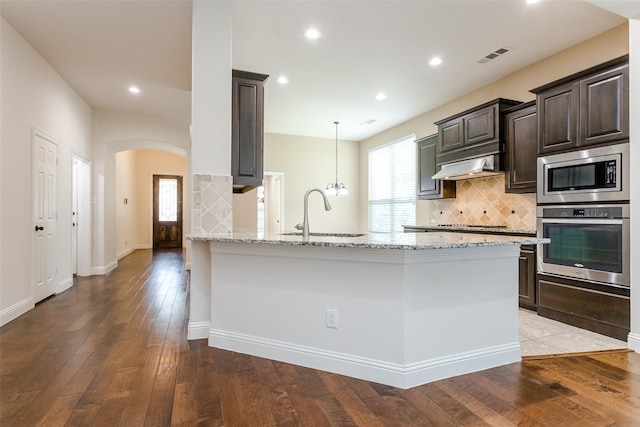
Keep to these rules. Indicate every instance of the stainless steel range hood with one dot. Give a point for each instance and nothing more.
(467, 169)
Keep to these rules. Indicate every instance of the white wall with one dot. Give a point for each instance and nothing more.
(310, 163)
(33, 95)
(126, 213)
(134, 181)
(609, 45)
(117, 131)
(245, 211)
(149, 163)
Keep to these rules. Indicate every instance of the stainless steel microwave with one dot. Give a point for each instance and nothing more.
(591, 175)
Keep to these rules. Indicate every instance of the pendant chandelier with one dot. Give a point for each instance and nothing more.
(336, 188)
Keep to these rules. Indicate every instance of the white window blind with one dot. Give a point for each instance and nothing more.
(392, 185)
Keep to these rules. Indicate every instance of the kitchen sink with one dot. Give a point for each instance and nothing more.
(299, 233)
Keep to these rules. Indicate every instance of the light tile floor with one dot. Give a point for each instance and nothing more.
(540, 336)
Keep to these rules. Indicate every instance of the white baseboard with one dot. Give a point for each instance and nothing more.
(144, 246)
(396, 375)
(198, 330)
(64, 285)
(633, 342)
(125, 253)
(17, 309)
(98, 271)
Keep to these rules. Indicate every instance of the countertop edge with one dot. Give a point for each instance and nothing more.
(444, 241)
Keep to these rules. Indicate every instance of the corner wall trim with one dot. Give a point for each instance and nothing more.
(125, 253)
(198, 330)
(17, 309)
(64, 285)
(633, 342)
(99, 271)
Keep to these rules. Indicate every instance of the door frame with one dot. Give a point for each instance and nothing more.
(277, 176)
(51, 255)
(81, 187)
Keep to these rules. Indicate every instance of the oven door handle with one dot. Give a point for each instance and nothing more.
(581, 221)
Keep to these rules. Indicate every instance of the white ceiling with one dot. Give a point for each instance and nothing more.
(100, 47)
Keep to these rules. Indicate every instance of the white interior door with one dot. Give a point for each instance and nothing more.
(44, 197)
(273, 183)
(274, 222)
(74, 219)
(82, 215)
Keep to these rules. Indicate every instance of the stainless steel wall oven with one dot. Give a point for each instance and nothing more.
(588, 242)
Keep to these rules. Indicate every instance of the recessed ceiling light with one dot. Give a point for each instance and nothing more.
(436, 60)
(380, 96)
(532, 1)
(134, 89)
(283, 80)
(312, 34)
(368, 122)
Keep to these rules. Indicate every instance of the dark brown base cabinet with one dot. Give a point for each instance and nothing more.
(429, 188)
(527, 277)
(596, 307)
(247, 130)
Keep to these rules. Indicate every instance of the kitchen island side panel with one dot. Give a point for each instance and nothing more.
(404, 317)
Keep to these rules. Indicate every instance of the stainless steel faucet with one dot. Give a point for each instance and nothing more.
(305, 222)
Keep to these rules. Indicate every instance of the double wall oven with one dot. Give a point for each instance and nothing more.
(583, 207)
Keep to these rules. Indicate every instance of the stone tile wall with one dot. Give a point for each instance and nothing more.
(482, 201)
(212, 204)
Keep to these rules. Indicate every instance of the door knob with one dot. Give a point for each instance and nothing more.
(39, 228)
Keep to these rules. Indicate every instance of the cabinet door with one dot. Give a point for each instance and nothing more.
(480, 126)
(429, 188)
(527, 277)
(558, 119)
(247, 129)
(522, 150)
(450, 135)
(604, 107)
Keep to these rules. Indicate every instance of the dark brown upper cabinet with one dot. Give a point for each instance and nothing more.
(521, 148)
(247, 130)
(429, 188)
(587, 108)
(478, 131)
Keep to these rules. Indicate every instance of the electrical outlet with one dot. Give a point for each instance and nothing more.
(332, 318)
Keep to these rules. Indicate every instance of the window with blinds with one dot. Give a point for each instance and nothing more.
(392, 185)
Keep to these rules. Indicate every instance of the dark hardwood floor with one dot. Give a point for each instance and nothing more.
(112, 351)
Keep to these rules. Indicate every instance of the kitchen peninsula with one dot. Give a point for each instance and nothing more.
(398, 309)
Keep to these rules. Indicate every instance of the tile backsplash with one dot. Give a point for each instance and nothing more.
(212, 204)
(481, 201)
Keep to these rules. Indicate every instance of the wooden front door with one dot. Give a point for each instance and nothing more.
(167, 211)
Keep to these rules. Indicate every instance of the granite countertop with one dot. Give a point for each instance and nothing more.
(471, 229)
(404, 241)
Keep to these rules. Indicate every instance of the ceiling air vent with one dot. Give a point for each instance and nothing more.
(493, 55)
